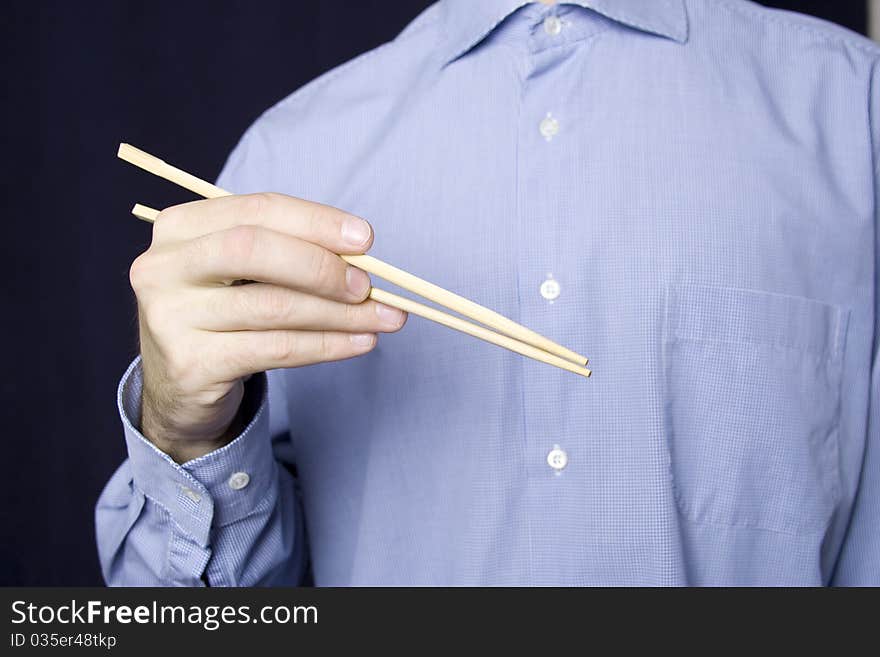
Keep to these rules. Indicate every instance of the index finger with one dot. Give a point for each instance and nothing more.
(329, 227)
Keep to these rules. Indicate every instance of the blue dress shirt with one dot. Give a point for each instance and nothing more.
(683, 190)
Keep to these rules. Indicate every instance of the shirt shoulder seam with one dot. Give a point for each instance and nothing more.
(311, 88)
(815, 30)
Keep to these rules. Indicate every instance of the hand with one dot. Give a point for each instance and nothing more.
(202, 334)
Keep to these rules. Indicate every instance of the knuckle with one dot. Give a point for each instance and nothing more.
(325, 346)
(249, 206)
(354, 316)
(283, 347)
(272, 198)
(323, 270)
(271, 306)
(139, 272)
(256, 206)
(318, 218)
(238, 243)
(166, 223)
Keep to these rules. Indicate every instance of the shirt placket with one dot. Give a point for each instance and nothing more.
(550, 299)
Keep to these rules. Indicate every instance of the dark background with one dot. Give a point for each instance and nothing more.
(182, 80)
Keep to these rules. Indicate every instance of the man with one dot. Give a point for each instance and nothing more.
(681, 189)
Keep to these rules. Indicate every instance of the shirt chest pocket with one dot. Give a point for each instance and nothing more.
(752, 406)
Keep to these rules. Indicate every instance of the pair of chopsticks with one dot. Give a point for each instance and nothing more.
(506, 333)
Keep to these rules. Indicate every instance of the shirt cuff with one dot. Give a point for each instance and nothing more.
(213, 490)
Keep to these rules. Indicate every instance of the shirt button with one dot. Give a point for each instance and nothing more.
(550, 289)
(191, 494)
(557, 458)
(239, 480)
(552, 25)
(548, 127)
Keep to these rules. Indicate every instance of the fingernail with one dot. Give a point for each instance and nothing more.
(357, 281)
(362, 339)
(388, 315)
(356, 231)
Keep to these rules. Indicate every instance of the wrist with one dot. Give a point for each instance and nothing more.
(186, 441)
(182, 449)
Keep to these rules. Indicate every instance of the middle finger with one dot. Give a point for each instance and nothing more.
(261, 306)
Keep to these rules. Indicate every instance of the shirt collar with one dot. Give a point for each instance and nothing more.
(468, 22)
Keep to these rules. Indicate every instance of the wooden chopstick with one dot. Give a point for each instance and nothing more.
(149, 214)
(462, 306)
(370, 264)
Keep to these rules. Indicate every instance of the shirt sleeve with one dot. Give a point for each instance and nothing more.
(229, 518)
(859, 563)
